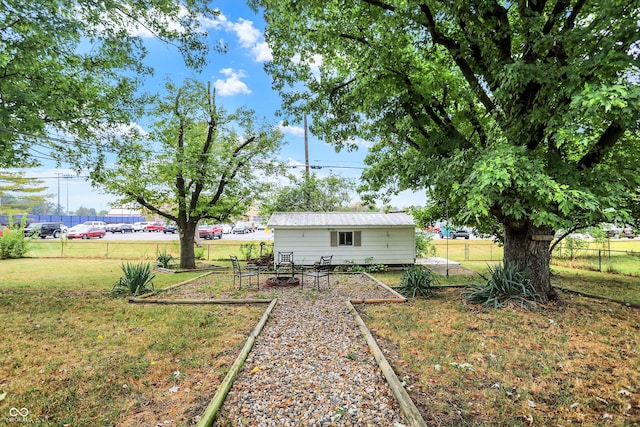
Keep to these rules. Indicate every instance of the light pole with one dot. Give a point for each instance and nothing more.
(67, 176)
(58, 207)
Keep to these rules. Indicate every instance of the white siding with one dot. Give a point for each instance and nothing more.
(379, 245)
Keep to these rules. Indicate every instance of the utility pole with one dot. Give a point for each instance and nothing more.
(306, 162)
(306, 147)
(67, 176)
(58, 207)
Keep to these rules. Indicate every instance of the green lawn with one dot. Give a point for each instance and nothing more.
(74, 355)
(138, 250)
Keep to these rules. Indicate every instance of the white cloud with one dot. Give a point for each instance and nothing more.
(216, 23)
(232, 85)
(248, 36)
(246, 32)
(291, 130)
(262, 52)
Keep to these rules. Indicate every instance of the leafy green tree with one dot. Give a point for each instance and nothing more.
(75, 67)
(82, 211)
(517, 113)
(310, 194)
(46, 208)
(19, 194)
(202, 163)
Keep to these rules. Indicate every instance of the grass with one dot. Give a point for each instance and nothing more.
(617, 287)
(72, 274)
(577, 362)
(132, 249)
(628, 265)
(73, 355)
(613, 286)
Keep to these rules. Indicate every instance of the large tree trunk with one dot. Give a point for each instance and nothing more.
(528, 247)
(187, 255)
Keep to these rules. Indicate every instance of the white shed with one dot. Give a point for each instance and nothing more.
(351, 237)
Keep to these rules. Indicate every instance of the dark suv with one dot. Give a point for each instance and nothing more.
(43, 229)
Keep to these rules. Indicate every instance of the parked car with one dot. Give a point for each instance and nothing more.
(140, 226)
(210, 232)
(617, 233)
(155, 226)
(99, 224)
(85, 232)
(227, 229)
(120, 228)
(454, 234)
(43, 229)
(240, 228)
(111, 227)
(170, 228)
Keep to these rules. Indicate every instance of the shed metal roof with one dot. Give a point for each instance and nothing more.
(339, 219)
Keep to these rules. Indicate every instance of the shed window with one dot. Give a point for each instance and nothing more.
(346, 238)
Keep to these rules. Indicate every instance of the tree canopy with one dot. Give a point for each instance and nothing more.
(199, 163)
(519, 113)
(310, 193)
(71, 70)
(19, 194)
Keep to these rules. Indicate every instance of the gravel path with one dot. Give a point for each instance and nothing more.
(311, 366)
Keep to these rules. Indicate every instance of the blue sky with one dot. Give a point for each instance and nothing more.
(240, 80)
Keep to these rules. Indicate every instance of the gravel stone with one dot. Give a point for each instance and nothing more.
(311, 366)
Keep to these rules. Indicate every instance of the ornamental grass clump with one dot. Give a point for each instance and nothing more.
(506, 285)
(164, 259)
(137, 280)
(417, 281)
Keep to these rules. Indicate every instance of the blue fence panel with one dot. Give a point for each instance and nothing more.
(71, 220)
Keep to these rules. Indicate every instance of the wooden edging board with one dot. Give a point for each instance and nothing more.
(224, 387)
(408, 408)
(382, 285)
(587, 295)
(199, 301)
(177, 285)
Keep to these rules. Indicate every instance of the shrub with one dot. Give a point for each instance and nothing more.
(13, 244)
(164, 259)
(137, 280)
(350, 266)
(198, 253)
(506, 285)
(370, 267)
(424, 245)
(417, 281)
(248, 250)
(377, 268)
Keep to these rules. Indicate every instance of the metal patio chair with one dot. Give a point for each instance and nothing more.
(284, 263)
(239, 273)
(320, 269)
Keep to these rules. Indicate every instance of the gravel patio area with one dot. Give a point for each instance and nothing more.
(311, 366)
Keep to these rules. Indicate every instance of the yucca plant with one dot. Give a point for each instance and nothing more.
(164, 259)
(417, 281)
(137, 280)
(505, 285)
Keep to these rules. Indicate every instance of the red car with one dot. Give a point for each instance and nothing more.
(155, 226)
(210, 232)
(85, 232)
